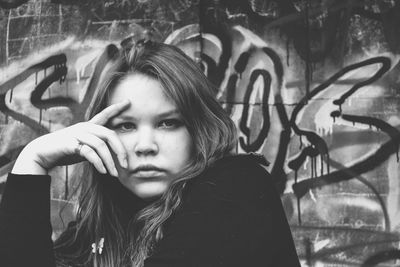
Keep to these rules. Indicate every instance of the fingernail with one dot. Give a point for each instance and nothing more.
(115, 172)
(103, 170)
(124, 163)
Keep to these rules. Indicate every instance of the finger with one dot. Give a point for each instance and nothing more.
(109, 112)
(102, 150)
(88, 153)
(113, 140)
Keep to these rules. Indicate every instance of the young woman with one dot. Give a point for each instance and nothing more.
(161, 187)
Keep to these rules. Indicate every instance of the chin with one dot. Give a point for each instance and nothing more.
(149, 190)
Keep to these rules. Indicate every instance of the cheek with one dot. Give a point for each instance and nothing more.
(181, 144)
(188, 147)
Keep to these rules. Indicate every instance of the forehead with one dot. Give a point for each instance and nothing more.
(145, 93)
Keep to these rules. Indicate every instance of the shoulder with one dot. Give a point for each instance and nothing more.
(236, 177)
(230, 215)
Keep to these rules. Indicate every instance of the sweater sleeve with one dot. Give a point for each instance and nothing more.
(25, 228)
(234, 217)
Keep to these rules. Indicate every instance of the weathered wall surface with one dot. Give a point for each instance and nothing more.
(313, 85)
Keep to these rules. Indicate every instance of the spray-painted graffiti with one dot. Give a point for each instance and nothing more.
(236, 89)
(56, 63)
(305, 82)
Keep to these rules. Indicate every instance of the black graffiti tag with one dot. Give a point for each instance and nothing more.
(317, 143)
(59, 73)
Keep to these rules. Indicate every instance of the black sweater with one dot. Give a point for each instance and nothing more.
(231, 215)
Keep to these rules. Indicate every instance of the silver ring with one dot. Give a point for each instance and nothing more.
(78, 149)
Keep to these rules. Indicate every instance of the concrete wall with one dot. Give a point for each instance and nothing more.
(312, 85)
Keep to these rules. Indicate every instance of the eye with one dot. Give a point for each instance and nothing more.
(170, 123)
(124, 127)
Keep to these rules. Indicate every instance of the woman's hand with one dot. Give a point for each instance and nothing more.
(90, 141)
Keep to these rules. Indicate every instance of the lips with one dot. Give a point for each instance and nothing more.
(147, 171)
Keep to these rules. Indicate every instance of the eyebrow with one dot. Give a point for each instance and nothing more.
(169, 113)
(159, 115)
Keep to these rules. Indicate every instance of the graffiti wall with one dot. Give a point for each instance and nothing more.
(311, 84)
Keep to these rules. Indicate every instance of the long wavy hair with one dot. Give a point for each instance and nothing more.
(213, 134)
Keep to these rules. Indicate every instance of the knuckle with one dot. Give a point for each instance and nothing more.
(101, 145)
(112, 134)
(80, 124)
(89, 153)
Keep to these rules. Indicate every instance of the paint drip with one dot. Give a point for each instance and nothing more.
(322, 164)
(66, 183)
(40, 117)
(298, 200)
(66, 88)
(288, 52)
(11, 95)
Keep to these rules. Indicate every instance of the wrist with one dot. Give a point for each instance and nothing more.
(28, 162)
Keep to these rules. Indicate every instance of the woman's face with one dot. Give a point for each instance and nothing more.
(152, 131)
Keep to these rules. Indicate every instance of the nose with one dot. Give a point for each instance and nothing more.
(145, 143)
